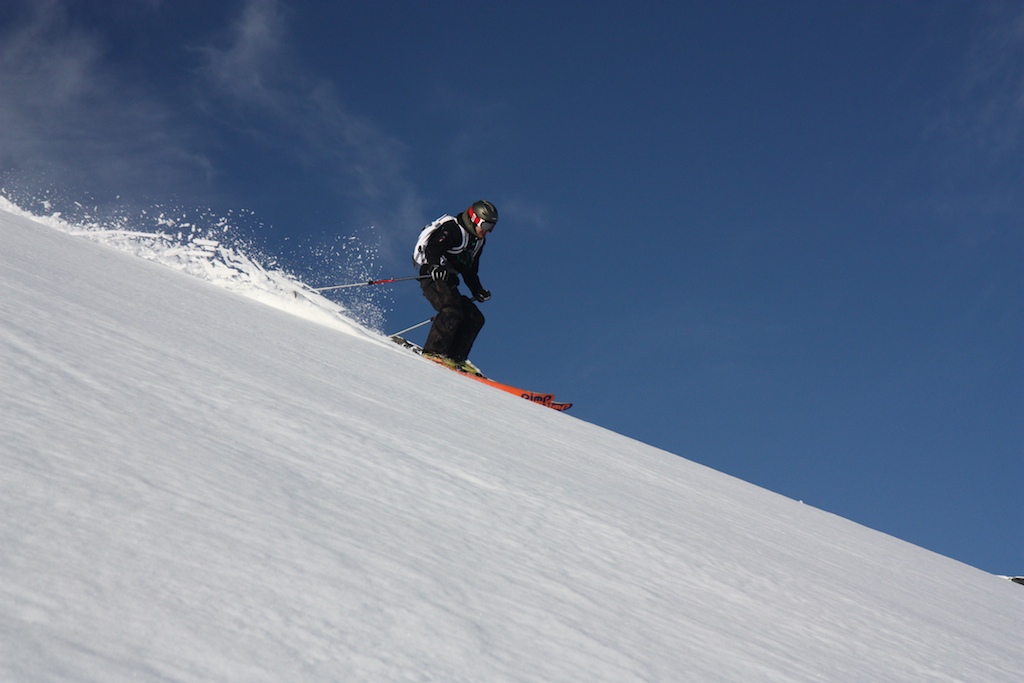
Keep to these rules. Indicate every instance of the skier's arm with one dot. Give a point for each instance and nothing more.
(473, 279)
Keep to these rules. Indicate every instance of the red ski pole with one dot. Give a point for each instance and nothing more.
(371, 282)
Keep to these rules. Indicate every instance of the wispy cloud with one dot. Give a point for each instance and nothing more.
(990, 95)
(255, 70)
(977, 137)
(72, 110)
(66, 115)
(241, 68)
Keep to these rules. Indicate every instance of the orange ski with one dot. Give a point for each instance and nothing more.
(546, 400)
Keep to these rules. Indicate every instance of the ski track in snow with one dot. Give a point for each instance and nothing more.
(195, 486)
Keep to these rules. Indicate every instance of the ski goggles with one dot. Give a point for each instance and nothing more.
(482, 225)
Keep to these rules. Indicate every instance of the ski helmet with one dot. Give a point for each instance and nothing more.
(483, 214)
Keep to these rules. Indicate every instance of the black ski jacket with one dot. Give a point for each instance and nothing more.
(446, 243)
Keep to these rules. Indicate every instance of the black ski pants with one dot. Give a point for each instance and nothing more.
(457, 323)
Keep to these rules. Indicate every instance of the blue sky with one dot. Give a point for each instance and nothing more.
(784, 240)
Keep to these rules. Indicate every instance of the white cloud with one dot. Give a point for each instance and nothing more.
(66, 114)
(976, 140)
(256, 70)
(987, 105)
(242, 69)
(75, 113)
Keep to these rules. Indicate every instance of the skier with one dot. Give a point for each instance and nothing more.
(447, 248)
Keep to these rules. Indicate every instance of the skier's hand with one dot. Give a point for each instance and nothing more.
(483, 295)
(438, 273)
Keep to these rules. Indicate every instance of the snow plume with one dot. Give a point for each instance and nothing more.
(347, 259)
(216, 248)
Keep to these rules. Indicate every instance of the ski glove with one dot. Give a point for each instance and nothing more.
(483, 295)
(438, 273)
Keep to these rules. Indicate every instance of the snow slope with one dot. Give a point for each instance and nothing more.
(196, 486)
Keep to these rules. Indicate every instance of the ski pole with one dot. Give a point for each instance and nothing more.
(372, 282)
(410, 329)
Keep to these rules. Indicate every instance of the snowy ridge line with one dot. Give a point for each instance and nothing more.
(118, 233)
(192, 251)
(185, 502)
